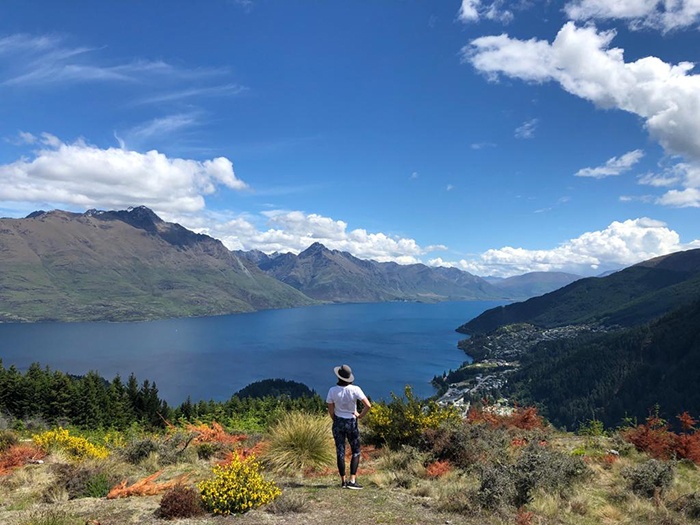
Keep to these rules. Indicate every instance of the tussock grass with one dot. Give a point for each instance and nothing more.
(50, 517)
(300, 442)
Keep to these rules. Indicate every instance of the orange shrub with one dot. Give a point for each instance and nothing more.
(17, 456)
(523, 418)
(654, 438)
(437, 469)
(214, 433)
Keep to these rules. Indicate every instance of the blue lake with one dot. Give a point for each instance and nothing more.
(388, 345)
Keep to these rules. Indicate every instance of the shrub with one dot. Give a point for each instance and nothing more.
(17, 456)
(524, 418)
(688, 504)
(7, 439)
(497, 487)
(542, 467)
(237, 487)
(50, 517)
(538, 467)
(649, 478)
(75, 446)
(181, 502)
(288, 503)
(207, 450)
(465, 444)
(653, 437)
(402, 421)
(437, 469)
(138, 449)
(97, 486)
(82, 481)
(299, 442)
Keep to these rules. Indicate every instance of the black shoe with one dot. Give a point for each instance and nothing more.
(343, 484)
(353, 485)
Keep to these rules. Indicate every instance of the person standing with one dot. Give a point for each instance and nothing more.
(342, 408)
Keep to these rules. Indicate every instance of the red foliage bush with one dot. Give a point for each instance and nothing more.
(524, 517)
(525, 418)
(437, 469)
(17, 456)
(654, 438)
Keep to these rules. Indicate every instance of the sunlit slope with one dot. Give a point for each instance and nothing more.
(120, 266)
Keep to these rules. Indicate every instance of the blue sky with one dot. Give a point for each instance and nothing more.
(497, 137)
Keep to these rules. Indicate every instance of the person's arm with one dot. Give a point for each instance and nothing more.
(331, 409)
(366, 405)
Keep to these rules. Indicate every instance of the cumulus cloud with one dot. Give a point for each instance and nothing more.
(85, 176)
(582, 61)
(294, 231)
(613, 166)
(620, 244)
(660, 14)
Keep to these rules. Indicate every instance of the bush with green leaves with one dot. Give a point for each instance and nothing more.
(465, 445)
(7, 439)
(139, 449)
(81, 480)
(403, 420)
(649, 478)
(300, 442)
(181, 502)
(537, 467)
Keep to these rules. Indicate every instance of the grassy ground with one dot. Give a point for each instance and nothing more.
(398, 490)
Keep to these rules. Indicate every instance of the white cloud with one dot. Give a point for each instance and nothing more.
(620, 244)
(294, 231)
(468, 11)
(613, 166)
(660, 14)
(474, 10)
(46, 60)
(687, 198)
(580, 60)
(158, 128)
(84, 176)
(527, 129)
(583, 63)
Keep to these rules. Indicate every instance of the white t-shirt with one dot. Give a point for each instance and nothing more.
(345, 399)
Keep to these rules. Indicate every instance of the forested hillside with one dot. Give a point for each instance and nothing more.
(612, 376)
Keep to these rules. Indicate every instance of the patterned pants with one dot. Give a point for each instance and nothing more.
(346, 429)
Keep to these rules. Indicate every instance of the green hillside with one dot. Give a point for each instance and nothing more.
(612, 376)
(630, 297)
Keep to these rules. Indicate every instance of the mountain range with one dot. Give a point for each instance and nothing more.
(131, 265)
(632, 296)
(124, 266)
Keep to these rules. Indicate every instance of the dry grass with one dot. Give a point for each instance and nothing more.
(398, 491)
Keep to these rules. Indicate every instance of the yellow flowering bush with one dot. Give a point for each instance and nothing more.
(403, 421)
(237, 487)
(75, 446)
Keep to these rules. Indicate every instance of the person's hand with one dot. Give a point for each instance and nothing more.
(356, 414)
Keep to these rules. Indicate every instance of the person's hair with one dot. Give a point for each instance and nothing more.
(343, 383)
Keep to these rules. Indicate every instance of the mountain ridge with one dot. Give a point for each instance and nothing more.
(631, 296)
(128, 265)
